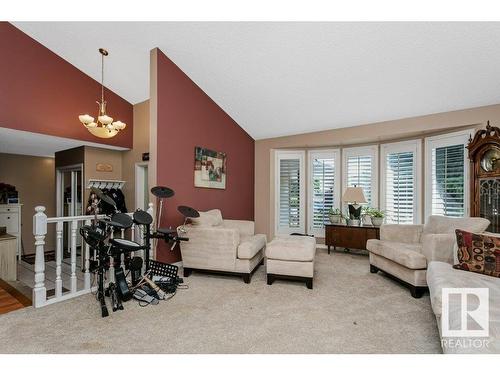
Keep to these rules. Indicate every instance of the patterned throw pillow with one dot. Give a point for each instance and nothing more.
(478, 253)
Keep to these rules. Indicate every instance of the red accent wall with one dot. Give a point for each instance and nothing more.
(186, 118)
(42, 93)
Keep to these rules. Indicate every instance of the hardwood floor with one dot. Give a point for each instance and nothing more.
(11, 299)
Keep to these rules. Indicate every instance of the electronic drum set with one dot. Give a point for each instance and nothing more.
(149, 280)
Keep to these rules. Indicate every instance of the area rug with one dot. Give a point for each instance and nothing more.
(349, 310)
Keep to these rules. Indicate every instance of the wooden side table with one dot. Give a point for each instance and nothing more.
(349, 236)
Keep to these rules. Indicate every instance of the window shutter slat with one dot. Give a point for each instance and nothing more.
(323, 188)
(289, 194)
(448, 176)
(359, 173)
(399, 187)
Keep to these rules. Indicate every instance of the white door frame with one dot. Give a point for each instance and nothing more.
(140, 175)
(60, 187)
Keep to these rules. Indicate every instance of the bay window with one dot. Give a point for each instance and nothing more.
(400, 181)
(447, 174)
(324, 188)
(290, 192)
(360, 169)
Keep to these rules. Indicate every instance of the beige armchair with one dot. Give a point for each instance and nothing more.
(404, 251)
(222, 246)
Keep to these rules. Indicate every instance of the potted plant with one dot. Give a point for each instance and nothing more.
(335, 215)
(365, 215)
(377, 217)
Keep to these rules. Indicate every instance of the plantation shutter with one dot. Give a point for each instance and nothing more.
(322, 189)
(359, 173)
(290, 193)
(400, 188)
(448, 180)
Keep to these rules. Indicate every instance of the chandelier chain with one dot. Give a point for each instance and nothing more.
(102, 77)
(104, 126)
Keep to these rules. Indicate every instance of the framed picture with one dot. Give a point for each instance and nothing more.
(209, 168)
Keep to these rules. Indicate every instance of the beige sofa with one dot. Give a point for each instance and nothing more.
(223, 246)
(442, 275)
(404, 251)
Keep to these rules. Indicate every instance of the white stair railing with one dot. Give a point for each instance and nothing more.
(40, 225)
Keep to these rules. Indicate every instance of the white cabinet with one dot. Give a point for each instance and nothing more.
(8, 262)
(10, 217)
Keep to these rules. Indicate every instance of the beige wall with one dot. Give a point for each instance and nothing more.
(92, 157)
(34, 179)
(140, 145)
(376, 133)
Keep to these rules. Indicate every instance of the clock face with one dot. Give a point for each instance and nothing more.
(490, 162)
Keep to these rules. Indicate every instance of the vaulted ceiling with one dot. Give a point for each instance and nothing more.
(286, 78)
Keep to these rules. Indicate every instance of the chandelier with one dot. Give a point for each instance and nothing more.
(104, 127)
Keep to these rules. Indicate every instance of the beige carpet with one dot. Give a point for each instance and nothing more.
(348, 311)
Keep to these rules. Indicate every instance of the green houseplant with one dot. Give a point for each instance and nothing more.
(377, 216)
(335, 215)
(365, 215)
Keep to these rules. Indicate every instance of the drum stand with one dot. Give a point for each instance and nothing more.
(101, 260)
(100, 288)
(147, 244)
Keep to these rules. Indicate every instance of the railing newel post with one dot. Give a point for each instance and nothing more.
(39, 231)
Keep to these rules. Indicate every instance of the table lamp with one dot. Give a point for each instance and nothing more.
(354, 196)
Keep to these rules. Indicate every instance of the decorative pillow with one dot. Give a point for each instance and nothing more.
(208, 219)
(478, 253)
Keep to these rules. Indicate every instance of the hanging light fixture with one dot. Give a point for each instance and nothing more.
(104, 127)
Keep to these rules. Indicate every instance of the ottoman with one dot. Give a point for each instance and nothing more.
(291, 257)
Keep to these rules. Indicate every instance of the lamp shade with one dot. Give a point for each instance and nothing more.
(86, 119)
(105, 119)
(354, 195)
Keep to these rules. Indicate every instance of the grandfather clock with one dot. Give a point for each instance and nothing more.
(484, 155)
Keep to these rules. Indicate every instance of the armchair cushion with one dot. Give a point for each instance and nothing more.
(210, 247)
(245, 227)
(408, 255)
(292, 248)
(442, 224)
(251, 246)
(210, 218)
(439, 247)
(403, 233)
(442, 275)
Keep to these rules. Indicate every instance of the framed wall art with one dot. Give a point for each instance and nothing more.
(209, 168)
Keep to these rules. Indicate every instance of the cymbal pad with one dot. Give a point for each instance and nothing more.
(162, 192)
(188, 211)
